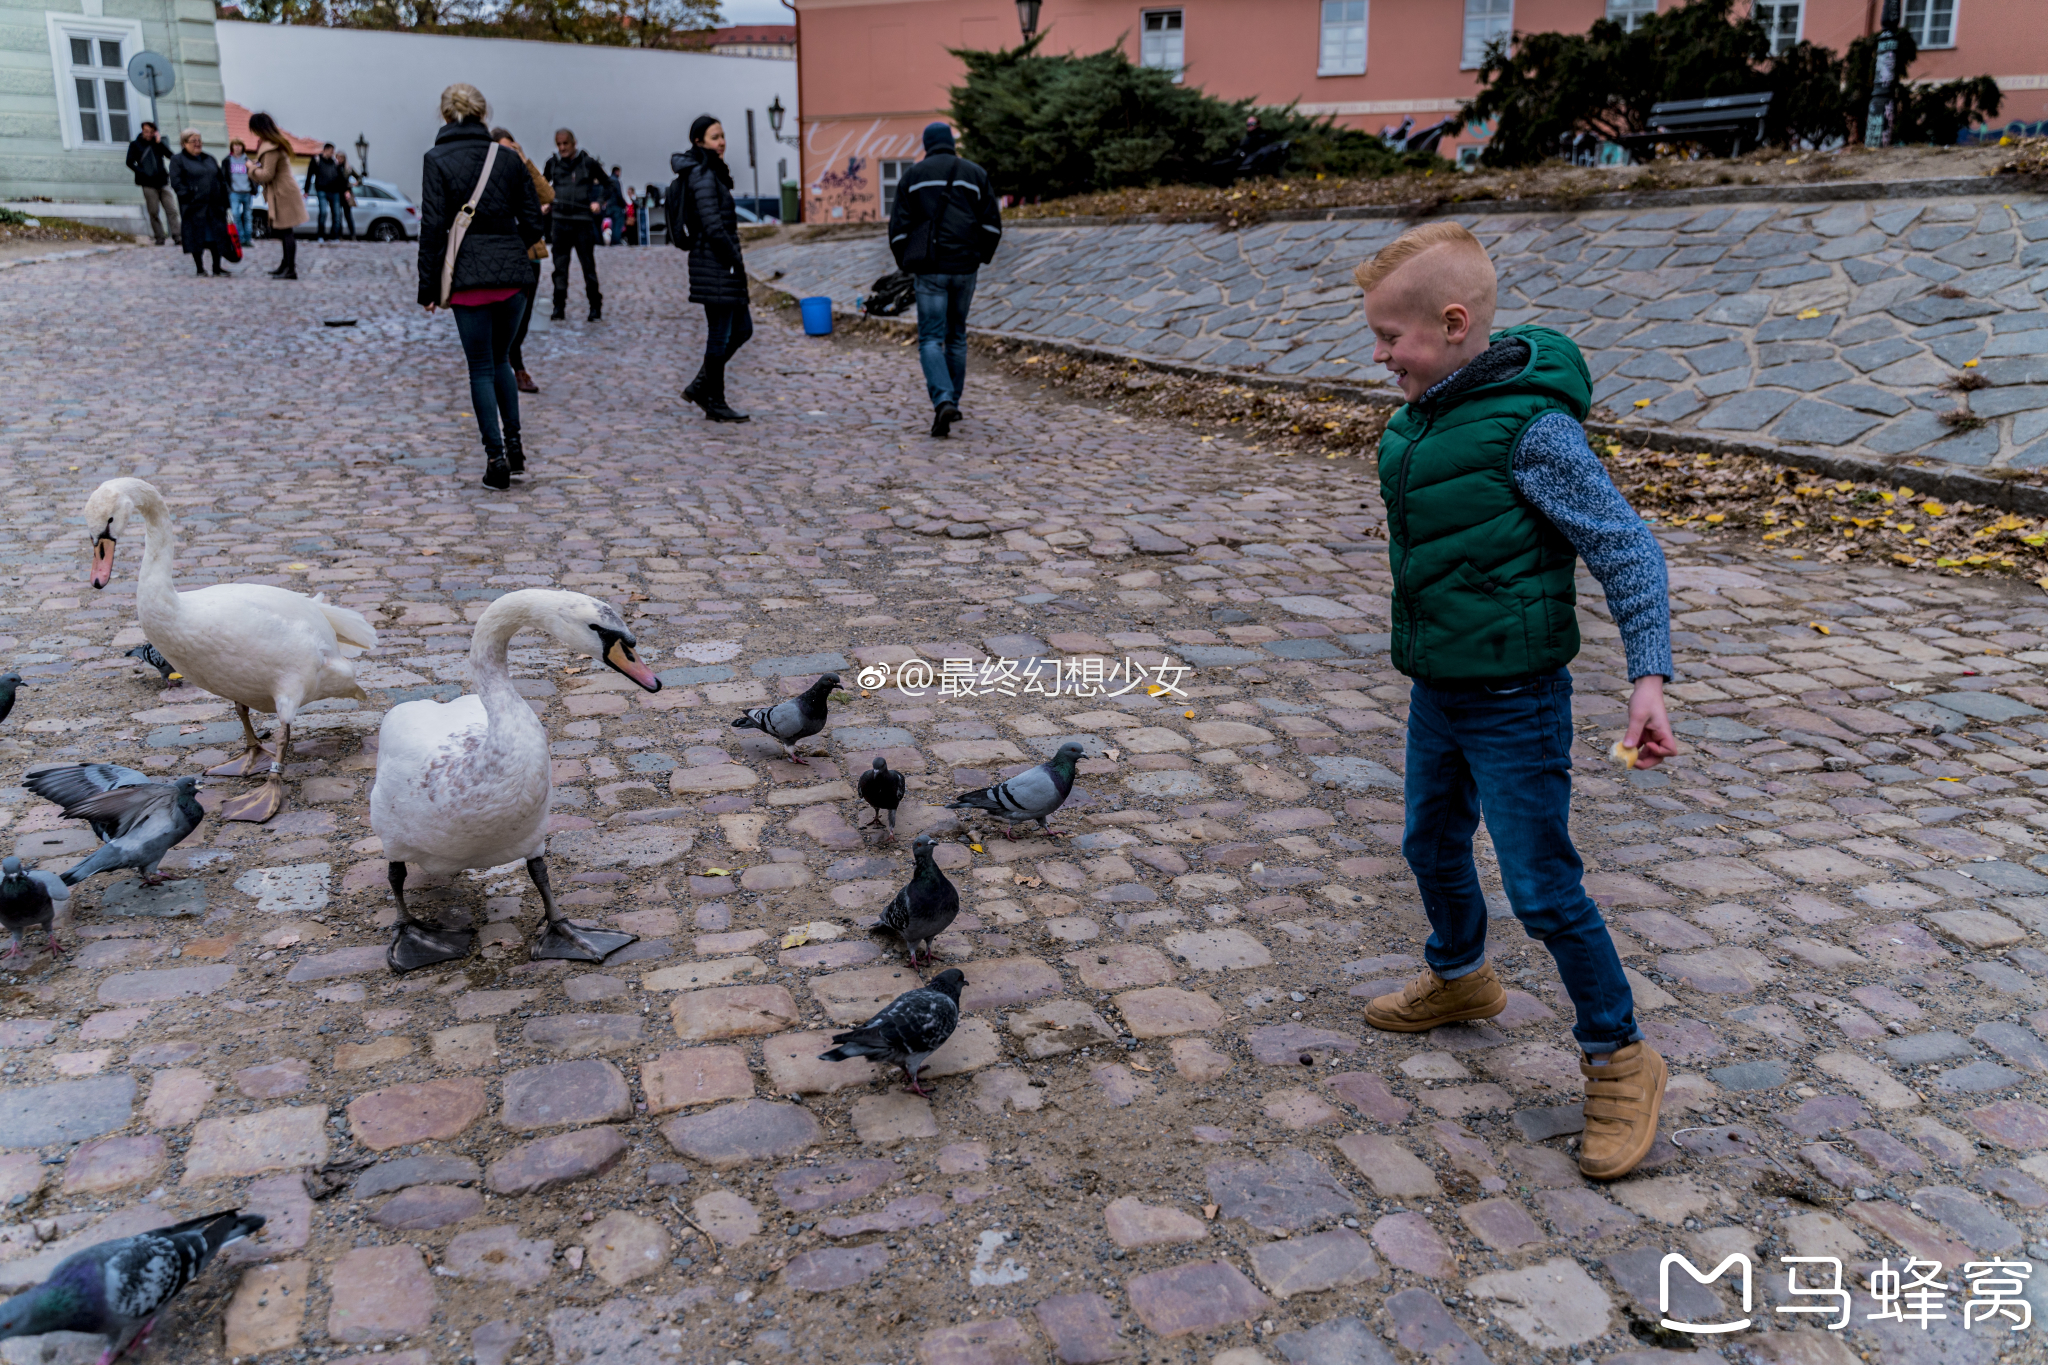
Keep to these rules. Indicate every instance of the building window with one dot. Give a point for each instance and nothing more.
(1931, 22)
(1781, 22)
(1343, 48)
(97, 109)
(1486, 22)
(1629, 13)
(1161, 45)
(892, 175)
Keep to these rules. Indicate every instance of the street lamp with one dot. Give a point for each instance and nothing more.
(1027, 17)
(776, 114)
(362, 155)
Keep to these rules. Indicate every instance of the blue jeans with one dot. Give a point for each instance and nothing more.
(239, 204)
(487, 331)
(942, 333)
(1508, 753)
(330, 207)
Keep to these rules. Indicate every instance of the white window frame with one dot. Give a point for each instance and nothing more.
(1631, 12)
(63, 28)
(1180, 31)
(1920, 32)
(1323, 28)
(888, 175)
(1771, 29)
(1469, 60)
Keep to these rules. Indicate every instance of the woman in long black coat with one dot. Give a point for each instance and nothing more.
(202, 192)
(487, 291)
(718, 277)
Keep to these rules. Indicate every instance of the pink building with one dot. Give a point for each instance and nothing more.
(873, 72)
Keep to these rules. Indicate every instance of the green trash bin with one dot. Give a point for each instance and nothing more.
(792, 202)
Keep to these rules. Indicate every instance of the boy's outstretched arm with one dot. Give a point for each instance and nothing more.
(1558, 472)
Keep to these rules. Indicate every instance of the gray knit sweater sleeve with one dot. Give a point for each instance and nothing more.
(1558, 472)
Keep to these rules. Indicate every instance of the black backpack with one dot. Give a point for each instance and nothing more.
(675, 208)
(890, 295)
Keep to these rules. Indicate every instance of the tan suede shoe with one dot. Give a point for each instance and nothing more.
(1429, 1000)
(1623, 1099)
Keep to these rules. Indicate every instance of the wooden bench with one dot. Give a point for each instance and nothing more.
(1733, 121)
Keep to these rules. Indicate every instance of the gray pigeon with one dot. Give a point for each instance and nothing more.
(883, 790)
(909, 1029)
(923, 909)
(115, 1289)
(137, 821)
(29, 899)
(148, 654)
(8, 683)
(798, 718)
(1031, 795)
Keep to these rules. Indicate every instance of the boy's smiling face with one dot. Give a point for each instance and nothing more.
(1419, 343)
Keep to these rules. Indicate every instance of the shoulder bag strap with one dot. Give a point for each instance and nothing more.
(458, 228)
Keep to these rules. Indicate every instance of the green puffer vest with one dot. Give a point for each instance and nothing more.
(1483, 587)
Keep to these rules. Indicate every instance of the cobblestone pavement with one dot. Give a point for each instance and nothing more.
(1163, 1132)
(1839, 326)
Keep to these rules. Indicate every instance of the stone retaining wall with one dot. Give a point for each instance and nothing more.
(1816, 328)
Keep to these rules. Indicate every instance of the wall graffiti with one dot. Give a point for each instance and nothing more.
(843, 164)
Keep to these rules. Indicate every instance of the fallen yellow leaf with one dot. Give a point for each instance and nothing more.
(1969, 364)
(1187, 715)
(1642, 402)
(1806, 313)
(1819, 627)
(975, 847)
(716, 872)
(1716, 518)
(1933, 509)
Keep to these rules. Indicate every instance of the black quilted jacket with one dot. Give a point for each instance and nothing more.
(507, 217)
(717, 272)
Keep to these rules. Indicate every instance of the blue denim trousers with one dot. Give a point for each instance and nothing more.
(487, 331)
(942, 302)
(1507, 753)
(239, 204)
(330, 213)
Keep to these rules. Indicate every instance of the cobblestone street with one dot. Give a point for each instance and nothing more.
(1163, 1131)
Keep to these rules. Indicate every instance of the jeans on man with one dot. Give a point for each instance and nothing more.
(580, 236)
(162, 205)
(942, 302)
(1508, 752)
(240, 202)
(330, 208)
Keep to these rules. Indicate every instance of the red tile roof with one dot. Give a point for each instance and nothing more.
(238, 127)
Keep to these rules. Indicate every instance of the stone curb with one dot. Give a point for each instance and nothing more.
(1945, 482)
(71, 255)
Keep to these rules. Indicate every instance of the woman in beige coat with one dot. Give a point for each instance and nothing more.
(546, 192)
(271, 168)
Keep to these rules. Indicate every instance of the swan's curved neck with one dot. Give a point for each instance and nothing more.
(487, 668)
(156, 591)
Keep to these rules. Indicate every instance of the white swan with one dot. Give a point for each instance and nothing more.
(261, 647)
(466, 784)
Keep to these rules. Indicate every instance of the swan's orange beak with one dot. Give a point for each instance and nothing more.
(102, 561)
(619, 655)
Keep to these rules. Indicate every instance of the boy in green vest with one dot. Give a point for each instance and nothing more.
(1491, 493)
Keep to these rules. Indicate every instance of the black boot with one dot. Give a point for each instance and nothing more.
(561, 310)
(715, 406)
(694, 390)
(596, 311)
(515, 454)
(497, 473)
(943, 419)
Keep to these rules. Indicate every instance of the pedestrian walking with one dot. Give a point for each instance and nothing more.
(718, 277)
(349, 181)
(151, 162)
(537, 253)
(1492, 494)
(202, 190)
(327, 181)
(580, 186)
(241, 193)
(282, 202)
(479, 217)
(945, 227)
(618, 208)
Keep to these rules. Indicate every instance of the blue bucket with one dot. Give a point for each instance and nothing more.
(817, 316)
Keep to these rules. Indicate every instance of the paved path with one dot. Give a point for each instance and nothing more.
(1163, 1129)
(1836, 327)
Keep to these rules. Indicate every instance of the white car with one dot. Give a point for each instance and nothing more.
(382, 214)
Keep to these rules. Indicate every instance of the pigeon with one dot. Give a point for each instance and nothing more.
(883, 790)
(1032, 795)
(909, 1029)
(8, 682)
(115, 1289)
(29, 899)
(923, 909)
(137, 818)
(147, 653)
(798, 718)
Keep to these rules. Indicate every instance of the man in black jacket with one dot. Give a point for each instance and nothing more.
(944, 228)
(150, 159)
(327, 178)
(580, 186)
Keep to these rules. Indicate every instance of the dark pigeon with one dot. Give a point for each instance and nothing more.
(29, 900)
(115, 1289)
(8, 683)
(1031, 795)
(147, 653)
(138, 822)
(909, 1029)
(923, 909)
(883, 790)
(798, 718)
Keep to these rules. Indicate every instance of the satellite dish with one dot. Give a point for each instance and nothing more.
(150, 72)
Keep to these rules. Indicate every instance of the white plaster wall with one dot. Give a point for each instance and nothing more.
(630, 106)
